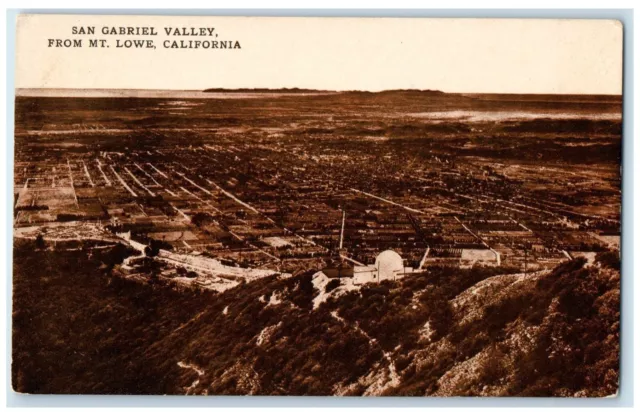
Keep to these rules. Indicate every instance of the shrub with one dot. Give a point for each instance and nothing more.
(333, 283)
(610, 259)
(40, 244)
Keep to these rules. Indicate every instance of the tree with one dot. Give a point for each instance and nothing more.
(333, 283)
(153, 249)
(40, 243)
(201, 219)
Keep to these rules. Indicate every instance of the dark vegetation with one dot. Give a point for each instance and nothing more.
(33, 208)
(333, 283)
(79, 328)
(576, 312)
(201, 219)
(587, 322)
(154, 246)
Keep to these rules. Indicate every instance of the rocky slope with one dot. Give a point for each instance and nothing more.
(446, 332)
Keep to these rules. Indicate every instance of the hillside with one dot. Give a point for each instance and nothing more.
(447, 332)
(265, 90)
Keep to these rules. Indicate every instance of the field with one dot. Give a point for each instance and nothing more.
(411, 170)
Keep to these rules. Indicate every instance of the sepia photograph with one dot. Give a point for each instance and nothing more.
(214, 206)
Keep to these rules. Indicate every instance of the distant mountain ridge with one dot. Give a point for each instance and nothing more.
(312, 91)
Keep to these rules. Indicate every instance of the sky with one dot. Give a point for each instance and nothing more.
(452, 55)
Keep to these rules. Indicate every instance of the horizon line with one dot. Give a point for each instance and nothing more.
(223, 89)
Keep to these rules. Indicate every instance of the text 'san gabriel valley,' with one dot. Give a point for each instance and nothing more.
(180, 38)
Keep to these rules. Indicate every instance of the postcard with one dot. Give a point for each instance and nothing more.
(317, 206)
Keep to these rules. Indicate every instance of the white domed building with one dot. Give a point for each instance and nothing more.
(388, 266)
